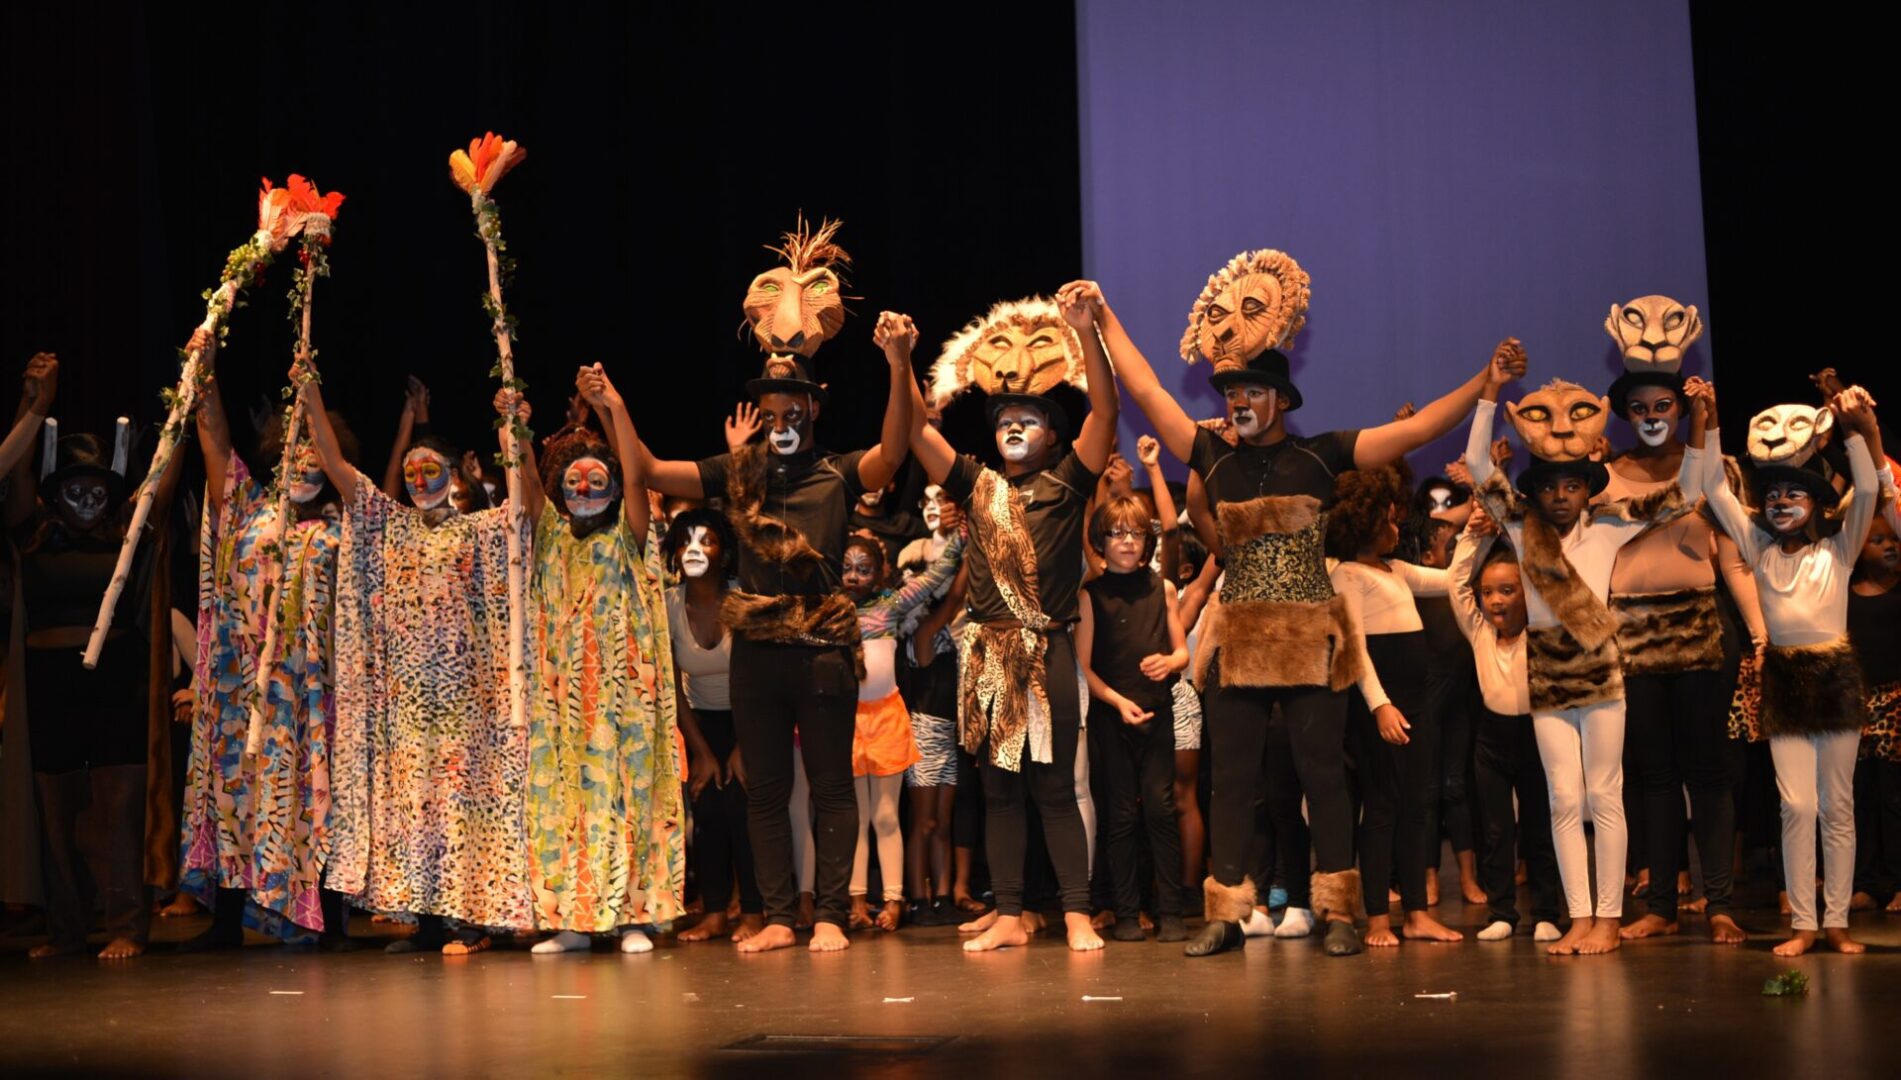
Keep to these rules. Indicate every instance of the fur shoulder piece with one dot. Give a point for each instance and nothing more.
(1571, 601)
(1500, 498)
(1660, 506)
(1269, 514)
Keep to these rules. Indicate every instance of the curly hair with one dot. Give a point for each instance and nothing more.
(1363, 503)
(682, 526)
(564, 450)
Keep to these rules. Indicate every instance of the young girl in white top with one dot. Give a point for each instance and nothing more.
(1813, 704)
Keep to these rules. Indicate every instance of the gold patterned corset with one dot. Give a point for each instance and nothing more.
(1287, 567)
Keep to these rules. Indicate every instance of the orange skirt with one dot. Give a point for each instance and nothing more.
(882, 744)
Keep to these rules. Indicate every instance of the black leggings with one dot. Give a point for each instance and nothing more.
(1676, 729)
(1878, 828)
(721, 849)
(1505, 760)
(1052, 787)
(777, 689)
(82, 878)
(1399, 785)
(1236, 727)
(1454, 699)
(1132, 769)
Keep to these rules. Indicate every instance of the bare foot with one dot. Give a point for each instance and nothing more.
(1684, 887)
(966, 902)
(1861, 901)
(1034, 923)
(1724, 931)
(1799, 942)
(49, 950)
(1639, 885)
(467, 948)
(1421, 926)
(1648, 926)
(770, 936)
(1142, 919)
(979, 924)
(828, 937)
(1470, 891)
(126, 949)
(707, 928)
(860, 914)
(181, 907)
(1004, 931)
(889, 916)
(1568, 944)
(1782, 907)
(1894, 904)
(1839, 940)
(1694, 907)
(1602, 939)
(748, 926)
(806, 915)
(1082, 934)
(1432, 887)
(1379, 933)
(1102, 920)
(1392, 897)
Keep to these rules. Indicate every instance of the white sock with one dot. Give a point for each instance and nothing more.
(1546, 931)
(1500, 930)
(565, 941)
(1257, 924)
(635, 941)
(1295, 922)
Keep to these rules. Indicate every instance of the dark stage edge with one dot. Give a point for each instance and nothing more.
(1679, 1005)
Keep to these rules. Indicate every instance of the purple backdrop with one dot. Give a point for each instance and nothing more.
(1448, 173)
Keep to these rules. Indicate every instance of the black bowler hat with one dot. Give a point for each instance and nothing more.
(785, 375)
(1267, 369)
(1764, 477)
(84, 455)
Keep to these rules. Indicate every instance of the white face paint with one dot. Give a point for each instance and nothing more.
(1654, 432)
(933, 506)
(694, 559)
(1441, 499)
(588, 487)
(426, 474)
(786, 427)
(85, 500)
(1251, 409)
(1021, 433)
(306, 487)
(1787, 507)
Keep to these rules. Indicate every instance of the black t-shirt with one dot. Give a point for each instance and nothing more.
(1874, 629)
(1297, 465)
(1131, 622)
(813, 491)
(1054, 501)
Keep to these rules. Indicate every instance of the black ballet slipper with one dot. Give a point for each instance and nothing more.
(1128, 930)
(1216, 937)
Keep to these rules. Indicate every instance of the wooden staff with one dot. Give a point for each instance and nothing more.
(511, 454)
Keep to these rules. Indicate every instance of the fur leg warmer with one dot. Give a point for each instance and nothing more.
(1227, 903)
(1338, 893)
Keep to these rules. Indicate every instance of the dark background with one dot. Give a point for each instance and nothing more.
(665, 147)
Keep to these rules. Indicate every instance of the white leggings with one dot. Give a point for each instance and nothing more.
(801, 809)
(1815, 775)
(1085, 803)
(878, 806)
(1583, 754)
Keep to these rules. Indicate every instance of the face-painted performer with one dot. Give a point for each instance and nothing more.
(88, 728)
(1679, 654)
(262, 826)
(1280, 635)
(1813, 703)
(603, 754)
(422, 714)
(1567, 548)
(795, 631)
(1025, 367)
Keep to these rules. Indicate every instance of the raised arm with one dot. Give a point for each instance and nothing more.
(38, 388)
(342, 474)
(1098, 435)
(939, 617)
(1723, 505)
(927, 583)
(1195, 597)
(509, 402)
(214, 427)
(1131, 368)
(927, 444)
(1391, 441)
(1473, 544)
(895, 334)
(1856, 410)
(1149, 452)
(415, 412)
(599, 392)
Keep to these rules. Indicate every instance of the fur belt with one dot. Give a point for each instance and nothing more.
(1669, 632)
(822, 621)
(1812, 689)
(1268, 643)
(1565, 674)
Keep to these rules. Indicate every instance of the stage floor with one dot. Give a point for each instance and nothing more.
(914, 1005)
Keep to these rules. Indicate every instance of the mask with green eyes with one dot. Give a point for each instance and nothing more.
(1560, 421)
(795, 308)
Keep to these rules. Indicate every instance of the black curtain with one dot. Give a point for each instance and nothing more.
(666, 146)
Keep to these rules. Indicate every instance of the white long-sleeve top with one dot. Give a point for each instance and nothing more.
(1382, 603)
(1504, 681)
(1593, 542)
(1804, 596)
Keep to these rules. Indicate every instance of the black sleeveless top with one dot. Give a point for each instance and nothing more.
(1874, 629)
(1131, 617)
